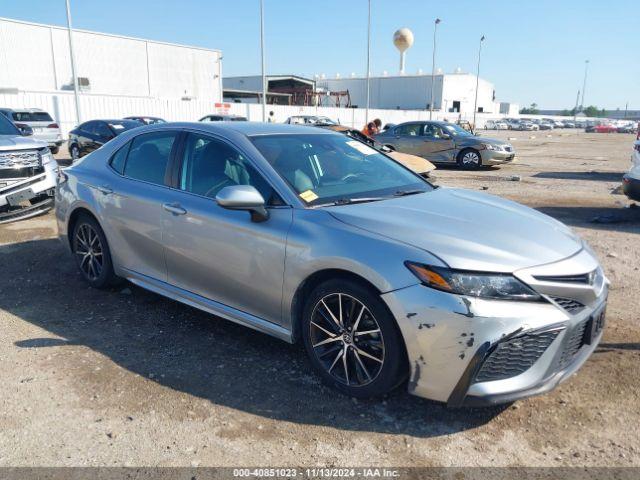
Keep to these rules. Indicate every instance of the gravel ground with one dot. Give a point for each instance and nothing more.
(125, 377)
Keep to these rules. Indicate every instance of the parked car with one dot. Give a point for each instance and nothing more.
(146, 120)
(628, 128)
(91, 135)
(303, 234)
(310, 120)
(222, 118)
(631, 179)
(27, 174)
(495, 125)
(513, 123)
(569, 124)
(543, 125)
(419, 165)
(604, 128)
(442, 142)
(39, 122)
(526, 126)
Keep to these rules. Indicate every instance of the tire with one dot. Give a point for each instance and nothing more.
(375, 362)
(54, 150)
(92, 254)
(469, 158)
(74, 152)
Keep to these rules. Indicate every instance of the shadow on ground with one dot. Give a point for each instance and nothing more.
(600, 218)
(593, 176)
(192, 352)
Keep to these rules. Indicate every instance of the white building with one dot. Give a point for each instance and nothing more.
(453, 92)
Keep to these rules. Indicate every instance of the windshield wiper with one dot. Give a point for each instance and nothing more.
(351, 201)
(403, 193)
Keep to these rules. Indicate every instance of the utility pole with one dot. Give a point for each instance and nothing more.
(575, 110)
(475, 103)
(264, 79)
(433, 67)
(366, 116)
(584, 83)
(73, 64)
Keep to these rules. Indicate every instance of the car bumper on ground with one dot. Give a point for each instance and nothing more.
(470, 352)
(493, 157)
(631, 187)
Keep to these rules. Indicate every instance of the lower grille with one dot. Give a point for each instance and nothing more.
(515, 356)
(571, 306)
(573, 344)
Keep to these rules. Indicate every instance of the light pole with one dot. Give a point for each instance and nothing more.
(475, 103)
(73, 64)
(366, 115)
(264, 80)
(433, 67)
(584, 83)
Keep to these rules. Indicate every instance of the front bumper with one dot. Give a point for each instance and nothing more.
(39, 188)
(631, 187)
(493, 157)
(451, 339)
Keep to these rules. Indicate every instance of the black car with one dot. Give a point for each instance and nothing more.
(91, 135)
(146, 119)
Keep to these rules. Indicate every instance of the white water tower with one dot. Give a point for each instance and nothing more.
(403, 39)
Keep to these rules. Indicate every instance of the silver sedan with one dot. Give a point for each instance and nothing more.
(312, 236)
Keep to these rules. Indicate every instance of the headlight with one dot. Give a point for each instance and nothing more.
(488, 146)
(474, 284)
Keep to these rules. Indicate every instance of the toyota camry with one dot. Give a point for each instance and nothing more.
(314, 237)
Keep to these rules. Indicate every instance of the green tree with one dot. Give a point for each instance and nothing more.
(531, 110)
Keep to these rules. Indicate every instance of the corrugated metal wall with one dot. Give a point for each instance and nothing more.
(36, 58)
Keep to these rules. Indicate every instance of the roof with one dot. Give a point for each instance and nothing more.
(244, 128)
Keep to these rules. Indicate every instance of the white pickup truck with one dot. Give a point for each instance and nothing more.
(27, 174)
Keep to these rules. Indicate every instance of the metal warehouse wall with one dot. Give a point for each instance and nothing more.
(36, 58)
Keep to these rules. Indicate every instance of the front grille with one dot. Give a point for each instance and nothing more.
(571, 306)
(20, 159)
(515, 356)
(581, 278)
(26, 172)
(573, 343)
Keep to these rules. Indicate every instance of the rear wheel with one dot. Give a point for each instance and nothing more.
(469, 158)
(54, 150)
(91, 251)
(352, 339)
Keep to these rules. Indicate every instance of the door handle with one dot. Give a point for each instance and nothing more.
(105, 190)
(174, 208)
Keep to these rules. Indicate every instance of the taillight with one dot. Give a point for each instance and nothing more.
(53, 125)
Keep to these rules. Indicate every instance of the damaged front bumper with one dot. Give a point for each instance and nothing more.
(470, 352)
(27, 195)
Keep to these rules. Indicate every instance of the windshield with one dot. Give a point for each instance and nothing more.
(31, 117)
(456, 130)
(7, 128)
(325, 169)
(119, 126)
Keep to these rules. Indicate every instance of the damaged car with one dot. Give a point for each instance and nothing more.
(314, 237)
(27, 174)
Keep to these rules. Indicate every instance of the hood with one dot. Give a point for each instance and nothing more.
(490, 141)
(15, 142)
(467, 230)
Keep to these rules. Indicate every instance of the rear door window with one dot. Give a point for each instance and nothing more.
(149, 155)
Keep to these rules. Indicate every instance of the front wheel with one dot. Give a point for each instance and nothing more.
(74, 151)
(469, 158)
(352, 339)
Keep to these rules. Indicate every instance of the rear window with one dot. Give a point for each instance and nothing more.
(31, 117)
(120, 126)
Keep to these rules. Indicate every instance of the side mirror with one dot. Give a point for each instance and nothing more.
(243, 197)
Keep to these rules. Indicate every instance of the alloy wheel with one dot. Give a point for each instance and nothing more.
(75, 153)
(89, 249)
(347, 339)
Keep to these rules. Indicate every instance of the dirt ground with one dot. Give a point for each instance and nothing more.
(125, 377)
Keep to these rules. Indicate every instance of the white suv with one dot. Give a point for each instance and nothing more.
(43, 126)
(27, 174)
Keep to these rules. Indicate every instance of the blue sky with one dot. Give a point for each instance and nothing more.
(534, 50)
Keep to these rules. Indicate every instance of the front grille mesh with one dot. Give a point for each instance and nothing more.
(515, 356)
(571, 306)
(573, 344)
(20, 159)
